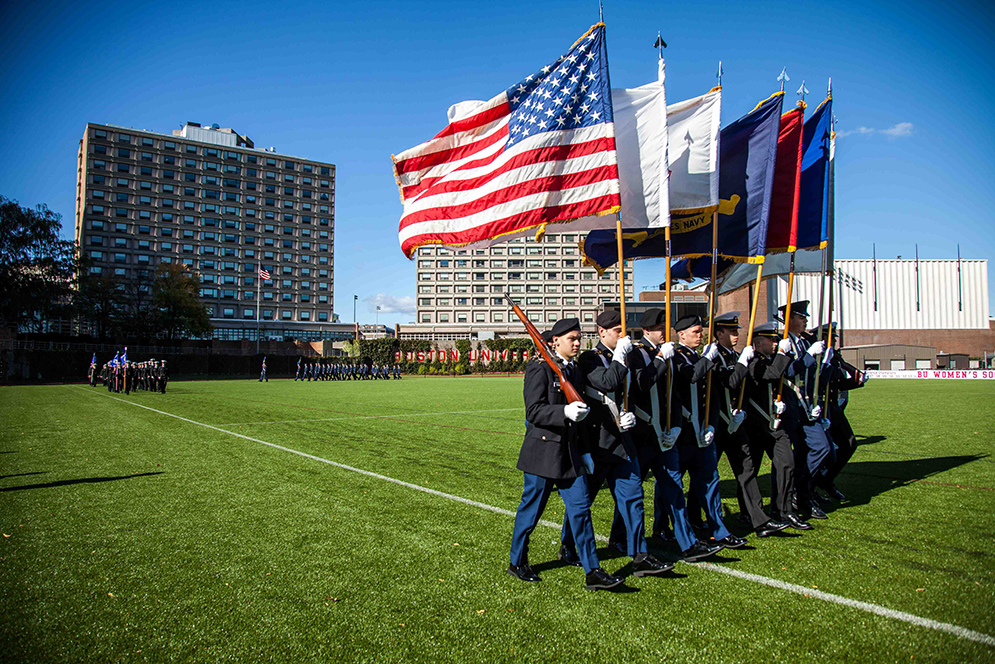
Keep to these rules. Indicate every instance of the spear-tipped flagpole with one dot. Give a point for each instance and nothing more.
(783, 77)
(802, 91)
(718, 74)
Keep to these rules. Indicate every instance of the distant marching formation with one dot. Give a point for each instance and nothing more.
(120, 375)
(340, 370)
(672, 419)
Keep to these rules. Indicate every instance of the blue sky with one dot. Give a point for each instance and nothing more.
(353, 83)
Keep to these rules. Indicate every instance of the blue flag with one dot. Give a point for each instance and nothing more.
(813, 197)
(124, 355)
(93, 360)
(747, 155)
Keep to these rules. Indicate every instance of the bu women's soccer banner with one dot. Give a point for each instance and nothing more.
(540, 152)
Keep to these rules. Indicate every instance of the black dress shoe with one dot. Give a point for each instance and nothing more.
(699, 527)
(665, 535)
(794, 522)
(820, 499)
(745, 520)
(599, 579)
(568, 556)
(815, 512)
(644, 564)
(835, 493)
(621, 547)
(794, 502)
(523, 572)
(731, 542)
(698, 551)
(769, 528)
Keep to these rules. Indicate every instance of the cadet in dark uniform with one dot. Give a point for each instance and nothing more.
(615, 456)
(696, 444)
(814, 452)
(763, 427)
(655, 443)
(730, 436)
(555, 454)
(840, 377)
(262, 374)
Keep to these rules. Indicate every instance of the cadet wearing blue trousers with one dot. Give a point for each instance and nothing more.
(555, 454)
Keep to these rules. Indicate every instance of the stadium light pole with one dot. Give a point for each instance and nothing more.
(355, 298)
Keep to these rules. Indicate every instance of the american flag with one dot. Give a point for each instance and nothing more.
(264, 274)
(542, 151)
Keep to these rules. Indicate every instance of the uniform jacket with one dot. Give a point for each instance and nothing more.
(728, 375)
(841, 377)
(553, 444)
(646, 372)
(764, 375)
(605, 377)
(690, 370)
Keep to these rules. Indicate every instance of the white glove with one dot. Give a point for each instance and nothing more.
(622, 348)
(784, 346)
(817, 349)
(738, 417)
(576, 411)
(779, 407)
(829, 355)
(669, 438)
(826, 424)
(712, 352)
(707, 436)
(588, 462)
(816, 412)
(666, 351)
(746, 356)
(626, 421)
(864, 377)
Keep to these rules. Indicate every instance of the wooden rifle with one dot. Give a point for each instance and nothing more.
(569, 390)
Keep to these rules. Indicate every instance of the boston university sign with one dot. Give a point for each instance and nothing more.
(483, 355)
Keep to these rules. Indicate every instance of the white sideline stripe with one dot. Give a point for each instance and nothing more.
(369, 417)
(955, 630)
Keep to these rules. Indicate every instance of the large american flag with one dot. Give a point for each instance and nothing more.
(542, 151)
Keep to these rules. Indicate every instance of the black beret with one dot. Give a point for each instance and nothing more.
(767, 330)
(609, 319)
(800, 307)
(684, 322)
(825, 329)
(652, 318)
(728, 319)
(547, 336)
(563, 326)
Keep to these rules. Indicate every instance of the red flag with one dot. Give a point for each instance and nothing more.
(264, 273)
(782, 229)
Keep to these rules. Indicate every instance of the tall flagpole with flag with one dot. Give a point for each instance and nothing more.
(264, 275)
(825, 253)
(711, 287)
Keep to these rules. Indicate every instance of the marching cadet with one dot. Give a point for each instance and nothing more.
(764, 372)
(730, 437)
(839, 377)
(814, 452)
(655, 443)
(163, 376)
(696, 444)
(299, 375)
(92, 373)
(262, 374)
(555, 454)
(614, 454)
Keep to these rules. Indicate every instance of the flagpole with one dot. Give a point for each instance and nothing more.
(621, 291)
(670, 368)
(787, 318)
(259, 285)
(831, 228)
(711, 307)
(749, 332)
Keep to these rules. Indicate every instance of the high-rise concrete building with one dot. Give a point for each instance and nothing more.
(207, 198)
(464, 289)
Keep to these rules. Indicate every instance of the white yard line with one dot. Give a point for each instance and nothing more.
(369, 417)
(955, 630)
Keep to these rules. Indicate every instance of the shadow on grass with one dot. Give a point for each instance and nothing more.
(867, 479)
(37, 472)
(86, 480)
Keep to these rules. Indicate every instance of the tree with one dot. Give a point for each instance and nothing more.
(180, 313)
(36, 265)
(98, 300)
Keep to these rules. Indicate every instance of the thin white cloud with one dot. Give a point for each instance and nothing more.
(390, 305)
(900, 130)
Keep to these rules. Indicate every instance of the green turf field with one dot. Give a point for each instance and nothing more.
(130, 535)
